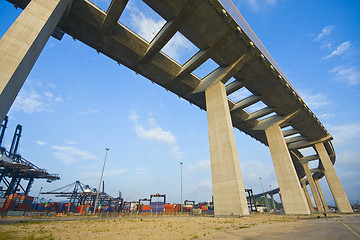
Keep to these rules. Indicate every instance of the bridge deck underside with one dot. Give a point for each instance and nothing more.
(205, 24)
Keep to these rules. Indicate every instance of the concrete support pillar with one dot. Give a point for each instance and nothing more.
(228, 187)
(294, 201)
(332, 178)
(273, 201)
(22, 44)
(303, 185)
(321, 195)
(313, 188)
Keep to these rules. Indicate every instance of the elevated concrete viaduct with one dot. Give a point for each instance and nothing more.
(286, 124)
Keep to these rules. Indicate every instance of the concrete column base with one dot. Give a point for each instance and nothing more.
(228, 187)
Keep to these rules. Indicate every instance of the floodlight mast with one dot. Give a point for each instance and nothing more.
(102, 173)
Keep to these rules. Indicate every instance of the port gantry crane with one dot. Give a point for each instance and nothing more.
(14, 168)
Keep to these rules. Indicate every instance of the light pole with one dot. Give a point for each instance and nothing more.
(181, 163)
(102, 173)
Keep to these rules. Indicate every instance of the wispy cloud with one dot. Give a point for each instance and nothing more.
(314, 100)
(116, 172)
(89, 111)
(341, 49)
(34, 101)
(133, 116)
(70, 154)
(348, 75)
(155, 132)
(346, 133)
(324, 32)
(40, 143)
(202, 166)
(142, 171)
(349, 157)
(259, 5)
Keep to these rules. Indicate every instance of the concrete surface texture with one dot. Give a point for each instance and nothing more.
(340, 227)
(321, 195)
(293, 198)
(308, 200)
(314, 191)
(336, 188)
(228, 187)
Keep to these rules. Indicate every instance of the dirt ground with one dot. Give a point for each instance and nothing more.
(150, 227)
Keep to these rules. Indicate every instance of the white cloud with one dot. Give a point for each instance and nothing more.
(341, 49)
(253, 170)
(347, 157)
(348, 75)
(116, 172)
(327, 116)
(325, 32)
(175, 152)
(155, 132)
(203, 165)
(133, 116)
(347, 133)
(90, 111)
(34, 98)
(314, 101)
(257, 5)
(201, 187)
(70, 154)
(142, 171)
(40, 143)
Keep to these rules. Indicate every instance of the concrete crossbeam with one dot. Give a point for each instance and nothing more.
(306, 143)
(332, 178)
(323, 201)
(222, 74)
(228, 187)
(246, 102)
(313, 188)
(261, 113)
(167, 32)
(295, 139)
(273, 120)
(201, 57)
(234, 86)
(307, 159)
(113, 14)
(22, 44)
(293, 197)
(315, 170)
(290, 132)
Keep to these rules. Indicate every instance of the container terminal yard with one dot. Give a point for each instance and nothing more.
(18, 175)
(78, 198)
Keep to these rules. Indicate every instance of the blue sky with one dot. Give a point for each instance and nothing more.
(76, 102)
